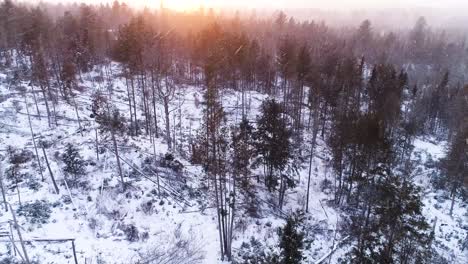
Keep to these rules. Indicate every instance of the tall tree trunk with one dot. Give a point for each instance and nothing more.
(119, 167)
(33, 139)
(145, 102)
(77, 115)
(218, 212)
(17, 227)
(3, 189)
(312, 150)
(153, 89)
(46, 104)
(50, 171)
(130, 105)
(35, 103)
(134, 106)
(168, 129)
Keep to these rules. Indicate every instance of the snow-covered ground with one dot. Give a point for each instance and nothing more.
(97, 214)
(450, 231)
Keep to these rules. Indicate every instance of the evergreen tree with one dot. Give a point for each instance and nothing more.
(274, 147)
(112, 122)
(292, 240)
(389, 227)
(243, 151)
(74, 163)
(455, 165)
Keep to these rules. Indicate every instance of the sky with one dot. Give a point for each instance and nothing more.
(276, 4)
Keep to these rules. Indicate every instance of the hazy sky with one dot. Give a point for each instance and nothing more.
(328, 4)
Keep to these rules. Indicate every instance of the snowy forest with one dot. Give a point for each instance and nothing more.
(150, 135)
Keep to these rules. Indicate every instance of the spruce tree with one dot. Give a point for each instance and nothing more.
(112, 122)
(243, 151)
(292, 239)
(74, 163)
(273, 143)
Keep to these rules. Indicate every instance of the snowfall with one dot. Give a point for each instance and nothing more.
(94, 216)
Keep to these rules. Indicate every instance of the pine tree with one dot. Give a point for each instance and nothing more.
(273, 145)
(243, 151)
(455, 165)
(292, 239)
(389, 227)
(74, 163)
(364, 38)
(303, 69)
(113, 123)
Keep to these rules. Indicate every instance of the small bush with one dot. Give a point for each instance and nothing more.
(12, 260)
(74, 163)
(255, 252)
(326, 186)
(37, 212)
(147, 207)
(170, 162)
(20, 156)
(34, 185)
(131, 233)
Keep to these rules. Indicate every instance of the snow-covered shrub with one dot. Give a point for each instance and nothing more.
(99, 101)
(74, 163)
(34, 184)
(17, 159)
(110, 205)
(430, 162)
(12, 260)
(66, 199)
(147, 207)
(133, 174)
(144, 236)
(170, 162)
(37, 212)
(19, 156)
(175, 250)
(131, 233)
(326, 186)
(14, 174)
(18, 106)
(254, 252)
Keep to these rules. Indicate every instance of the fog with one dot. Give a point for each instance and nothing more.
(384, 14)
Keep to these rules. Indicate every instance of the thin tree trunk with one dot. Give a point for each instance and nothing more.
(50, 171)
(17, 227)
(134, 106)
(35, 103)
(77, 115)
(97, 145)
(157, 174)
(33, 140)
(453, 199)
(3, 189)
(46, 104)
(52, 100)
(168, 129)
(233, 211)
(74, 252)
(154, 105)
(130, 105)
(219, 218)
(114, 140)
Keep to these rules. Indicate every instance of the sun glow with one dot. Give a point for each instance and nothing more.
(184, 5)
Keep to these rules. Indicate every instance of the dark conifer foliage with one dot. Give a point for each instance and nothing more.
(292, 240)
(74, 163)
